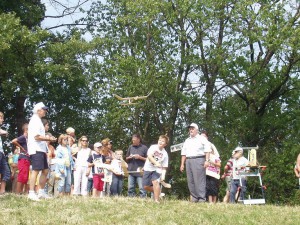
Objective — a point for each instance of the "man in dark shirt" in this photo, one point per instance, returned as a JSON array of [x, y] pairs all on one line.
[[136, 156]]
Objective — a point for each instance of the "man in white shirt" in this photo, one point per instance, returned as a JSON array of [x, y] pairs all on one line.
[[195, 153], [37, 149], [238, 165]]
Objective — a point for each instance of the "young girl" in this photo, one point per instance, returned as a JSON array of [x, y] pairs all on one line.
[[64, 165], [213, 175]]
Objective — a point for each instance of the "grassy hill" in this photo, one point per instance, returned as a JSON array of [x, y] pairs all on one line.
[[79, 210]]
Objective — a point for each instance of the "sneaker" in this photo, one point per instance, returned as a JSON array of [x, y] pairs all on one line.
[[166, 185], [33, 197], [162, 195], [43, 195]]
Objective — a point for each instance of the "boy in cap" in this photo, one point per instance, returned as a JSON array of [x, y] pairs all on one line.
[[239, 164], [96, 161]]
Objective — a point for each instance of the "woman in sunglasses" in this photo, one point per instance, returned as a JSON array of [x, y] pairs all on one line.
[[81, 172]]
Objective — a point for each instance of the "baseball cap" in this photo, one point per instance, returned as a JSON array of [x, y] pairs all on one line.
[[39, 106], [238, 149], [97, 145], [194, 125]]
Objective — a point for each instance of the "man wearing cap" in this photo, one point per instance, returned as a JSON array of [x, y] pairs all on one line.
[[195, 154], [238, 165], [37, 149]]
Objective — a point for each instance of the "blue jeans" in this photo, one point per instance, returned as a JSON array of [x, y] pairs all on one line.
[[235, 184], [132, 180], [116, 185], [64, 184]]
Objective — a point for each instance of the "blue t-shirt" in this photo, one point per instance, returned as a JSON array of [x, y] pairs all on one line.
[[22, 140], [96, 157], [134, 164]]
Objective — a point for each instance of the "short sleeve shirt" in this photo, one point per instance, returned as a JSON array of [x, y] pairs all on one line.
[[134, 164], [23, 142], [239, 166], [97, 159], [35, 128], [160, 156], [196, 146]]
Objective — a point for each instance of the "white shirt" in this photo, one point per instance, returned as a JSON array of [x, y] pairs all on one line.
[[116, 165], [35, 128], [238, 166], [161, 156], [82, 157], [196, 146]]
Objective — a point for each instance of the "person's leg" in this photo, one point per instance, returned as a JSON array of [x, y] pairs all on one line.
[[2, 187], [33, 176], [120, 184], [43, 178], [5, 177], [68, 181], [243, 188], [190, 180], [233, 189], [142, 191], [156, 190], [84, 181], [227, 195], [77, 181], [131, 186], [114, 185], [199, 175], [23, 167]]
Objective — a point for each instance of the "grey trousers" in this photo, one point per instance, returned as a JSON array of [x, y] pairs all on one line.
[[196, 177]]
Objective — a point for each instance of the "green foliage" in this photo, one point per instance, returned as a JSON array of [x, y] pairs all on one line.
[[30, 12], [230, 66]]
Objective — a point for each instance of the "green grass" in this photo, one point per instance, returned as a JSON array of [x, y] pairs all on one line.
[[69, 210]]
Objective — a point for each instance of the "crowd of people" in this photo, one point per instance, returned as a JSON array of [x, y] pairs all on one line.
[[42, 171]]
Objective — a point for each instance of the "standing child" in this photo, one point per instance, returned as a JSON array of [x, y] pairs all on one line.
[[23, 161], [155, 167], [64, 165], [118, 173], [213, 175], [96, 161]]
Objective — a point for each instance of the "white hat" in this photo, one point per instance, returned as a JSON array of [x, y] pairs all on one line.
[[238, 149], [194, 125], [39, 106], [97, 145]]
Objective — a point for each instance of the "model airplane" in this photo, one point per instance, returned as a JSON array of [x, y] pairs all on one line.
[[130, 100]]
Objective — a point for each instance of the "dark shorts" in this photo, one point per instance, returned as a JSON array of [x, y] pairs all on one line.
[[39, 161], [98, 183], [5, 171], [212, 186], [23, 166], [150, 176]]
